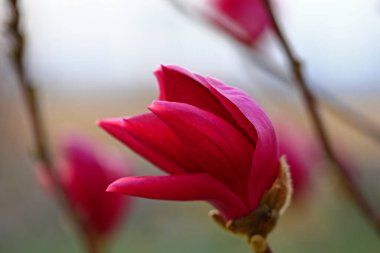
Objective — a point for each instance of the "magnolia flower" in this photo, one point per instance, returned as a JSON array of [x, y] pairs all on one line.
[[85, 173], [214, 142], [245, 20]]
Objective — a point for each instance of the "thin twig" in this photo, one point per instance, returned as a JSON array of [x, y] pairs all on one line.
[[336, 106], [28, 91], [350, 116], [311, 105], [30, 96]]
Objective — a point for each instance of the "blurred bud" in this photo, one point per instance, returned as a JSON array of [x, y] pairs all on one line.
[[244, 20], [85, 171], [302, 153]]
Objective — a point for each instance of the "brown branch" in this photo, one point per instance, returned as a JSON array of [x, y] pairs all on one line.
[[336, 106], [30, 96], [311, 105], [350, 116], [339, 108], [29, 93]]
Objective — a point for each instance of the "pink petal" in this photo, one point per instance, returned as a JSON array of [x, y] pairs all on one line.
[[259, 127], [180, 85], [216, 147], [177, 84], [148, 136], [182, 187]]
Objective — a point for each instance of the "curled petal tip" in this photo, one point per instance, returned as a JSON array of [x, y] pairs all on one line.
[[102, 123], [155, 104], [159, 68], [105, 122], [110, 188], [113, 187], [151, 105], [162, 67], [110, 124]]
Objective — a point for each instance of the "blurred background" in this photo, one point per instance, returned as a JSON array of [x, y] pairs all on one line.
[[93, 59]]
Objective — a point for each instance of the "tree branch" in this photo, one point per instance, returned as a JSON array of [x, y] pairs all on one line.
[[339, 108], [311, 104], [333, 104], [30, 96]]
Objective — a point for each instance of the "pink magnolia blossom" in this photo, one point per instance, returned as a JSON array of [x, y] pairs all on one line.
[[85, 173], [245, 20], [214, 142]]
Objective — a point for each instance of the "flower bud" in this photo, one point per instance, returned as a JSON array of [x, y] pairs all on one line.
[[85, 170]]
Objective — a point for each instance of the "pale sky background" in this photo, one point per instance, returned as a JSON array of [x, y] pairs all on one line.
[[117, 43]]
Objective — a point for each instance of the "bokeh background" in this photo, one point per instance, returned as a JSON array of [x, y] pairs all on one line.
[[93, 59]]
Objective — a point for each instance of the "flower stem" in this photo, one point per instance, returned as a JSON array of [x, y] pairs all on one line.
[[311, 105], [30, 96]]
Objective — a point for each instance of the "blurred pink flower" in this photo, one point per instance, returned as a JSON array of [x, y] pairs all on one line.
[[86, 171], [302, 154], [245, 20], [213, 140]]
